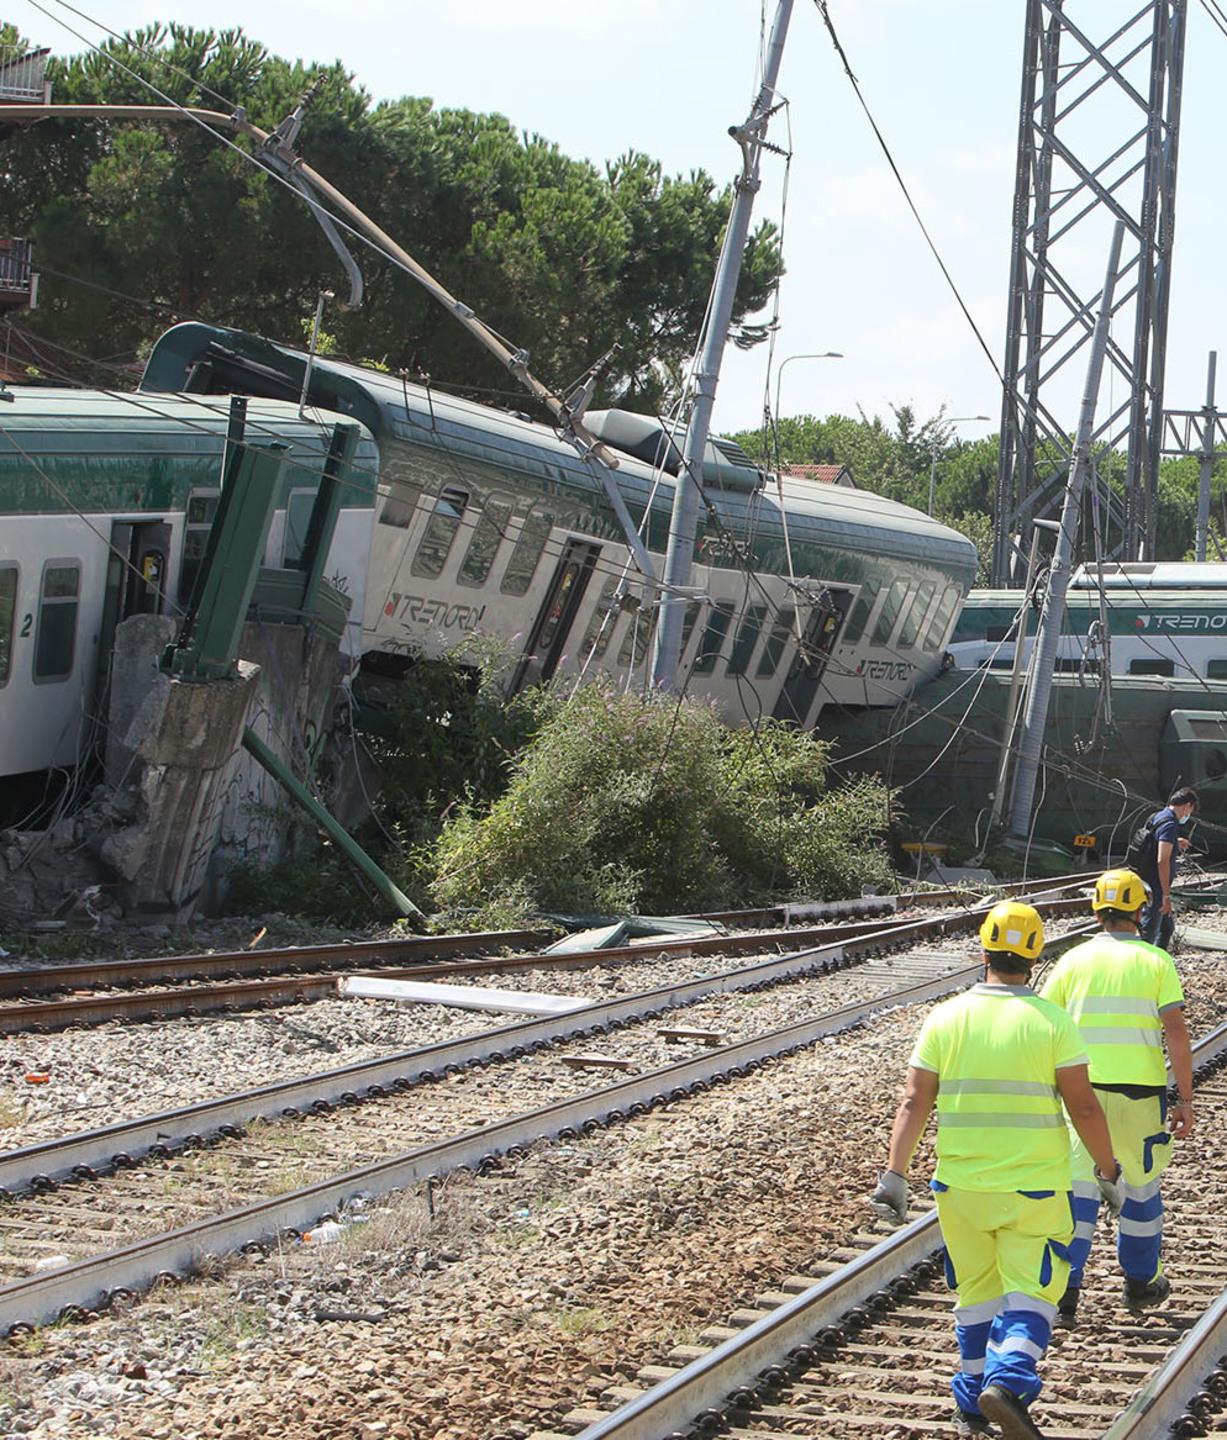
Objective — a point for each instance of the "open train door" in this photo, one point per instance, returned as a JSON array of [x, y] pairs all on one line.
[[828, 611], [135, 583], [548, 638]]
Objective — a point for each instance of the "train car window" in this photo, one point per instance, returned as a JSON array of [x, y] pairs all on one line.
[[916, 615], [1152, 665], [935, 635], [488, 535], [601, 627], [298, 509], [441, 528], [747, 639], [198, 520], [534, 532], [634, 649], [688, 622], [1216, 669], [56, 640], [859, 615], [891, 606], [399, 504], [1075, 665], [8, 619], [777, 641], [712, 643]]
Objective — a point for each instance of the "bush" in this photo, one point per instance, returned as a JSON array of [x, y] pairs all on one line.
[[623, 804]]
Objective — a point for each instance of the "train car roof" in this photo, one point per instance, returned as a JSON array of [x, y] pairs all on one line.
[[193, 354], [47, 421]]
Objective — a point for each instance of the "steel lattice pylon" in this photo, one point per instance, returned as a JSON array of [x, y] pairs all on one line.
[[1098, 138]]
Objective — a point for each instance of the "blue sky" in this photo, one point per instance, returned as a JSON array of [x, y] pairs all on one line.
[[669, 77]]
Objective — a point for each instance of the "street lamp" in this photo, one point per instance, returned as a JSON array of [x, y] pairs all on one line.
[[947, 420], [779, 374]]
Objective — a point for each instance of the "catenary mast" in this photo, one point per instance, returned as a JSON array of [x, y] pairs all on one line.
[[679, 555]]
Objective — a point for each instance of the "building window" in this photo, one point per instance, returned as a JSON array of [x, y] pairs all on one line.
[[747, 638], [488, 535], [441, 531], [777, 641], [1152, 665], [534, 532], [712, 643], [198, 520], [8, 619], [57, 621]]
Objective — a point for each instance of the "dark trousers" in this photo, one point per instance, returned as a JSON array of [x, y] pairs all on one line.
[[1156, 927]]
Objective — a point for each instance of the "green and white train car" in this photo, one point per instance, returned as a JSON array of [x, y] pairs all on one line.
[[489, 524], [107, 502], [1164, 619]]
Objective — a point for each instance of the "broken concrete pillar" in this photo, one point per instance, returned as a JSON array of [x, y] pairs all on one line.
[[183, 739]]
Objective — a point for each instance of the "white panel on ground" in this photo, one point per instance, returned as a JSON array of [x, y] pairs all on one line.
[[464, 997]]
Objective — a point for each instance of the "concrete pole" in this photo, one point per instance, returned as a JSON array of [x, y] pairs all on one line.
[[1206, 468], [679, 555], [1035, 718]]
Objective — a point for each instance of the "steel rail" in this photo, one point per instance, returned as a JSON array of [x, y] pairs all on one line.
[[40, 979], [236, 964], [699, 1390], [150, 1004], [49, 1162], [86, 1284]]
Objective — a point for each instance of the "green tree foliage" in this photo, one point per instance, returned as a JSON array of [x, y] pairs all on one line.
[[627, 804], [563, 258]]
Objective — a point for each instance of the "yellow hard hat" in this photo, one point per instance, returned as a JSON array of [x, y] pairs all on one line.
[[1011, 925], [1122, 890]]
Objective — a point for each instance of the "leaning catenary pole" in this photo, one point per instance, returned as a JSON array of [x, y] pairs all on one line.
[[1048, 636], [679, 556]]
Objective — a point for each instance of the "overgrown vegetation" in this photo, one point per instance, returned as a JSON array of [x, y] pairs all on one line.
[[621, 803]]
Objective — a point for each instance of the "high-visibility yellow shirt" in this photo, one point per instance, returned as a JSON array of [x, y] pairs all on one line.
[[1116, 989], [996, 1050]]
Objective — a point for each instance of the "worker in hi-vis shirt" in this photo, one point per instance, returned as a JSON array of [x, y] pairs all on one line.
[[996, 1062], [1125, 997]]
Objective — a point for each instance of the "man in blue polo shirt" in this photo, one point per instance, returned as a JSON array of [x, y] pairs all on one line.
[[1159, 872]]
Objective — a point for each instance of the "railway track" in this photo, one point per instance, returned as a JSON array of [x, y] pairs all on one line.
[[308, 973], [863, 1344], [167, 1214]]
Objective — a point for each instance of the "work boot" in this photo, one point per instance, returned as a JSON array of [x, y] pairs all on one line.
[[1067, 1308], [1009, 1413], [966, 1424], [1142, 1294]]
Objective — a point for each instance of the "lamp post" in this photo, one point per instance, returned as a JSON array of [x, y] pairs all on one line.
[[779, 375], [947, 420]]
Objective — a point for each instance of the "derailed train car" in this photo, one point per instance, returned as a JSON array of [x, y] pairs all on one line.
[[107, 503], [489, 524]]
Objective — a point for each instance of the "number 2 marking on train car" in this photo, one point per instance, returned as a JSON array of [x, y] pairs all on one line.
[[27, 622]]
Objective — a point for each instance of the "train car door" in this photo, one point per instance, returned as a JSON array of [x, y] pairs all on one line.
[[547, 642], [826, 619], [135, 579]]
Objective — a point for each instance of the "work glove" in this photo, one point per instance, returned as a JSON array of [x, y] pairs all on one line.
[[1112, 1190], [891, 1197]]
